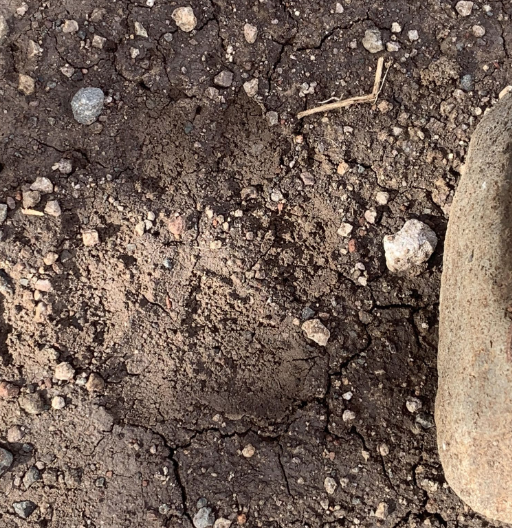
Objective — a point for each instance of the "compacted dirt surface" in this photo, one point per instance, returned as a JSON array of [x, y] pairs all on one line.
[[160, 377]]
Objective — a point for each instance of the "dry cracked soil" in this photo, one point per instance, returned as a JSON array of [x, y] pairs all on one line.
[[188, 382]]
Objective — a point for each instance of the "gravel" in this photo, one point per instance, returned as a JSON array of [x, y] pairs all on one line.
[[248, 451], [43, 185], [330, 485], [32, 403], [224, 79], [64, 371], [316, 331], [58, 402], [411, 246], [185, 18], [52, 208], [467, 83], [31, 199], [251, 87], [250, 33], [372, 41], [464, 8], [204, 518], [87, 105], [24, 509], [4, 28], [31, 476], [6, 460]]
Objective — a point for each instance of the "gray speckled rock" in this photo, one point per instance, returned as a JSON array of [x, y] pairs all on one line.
[[24, 509], [6, 460], [474, 398], [204, 518], [87, 105]]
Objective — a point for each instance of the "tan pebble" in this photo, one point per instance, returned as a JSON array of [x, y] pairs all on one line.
[[50, 258], [185, 18], [90, 237], [8, 390], [248, 451], [64, 371], [95, 383], [53, 208], [26, 84], [250, 33], [70, 26], [43, 285]]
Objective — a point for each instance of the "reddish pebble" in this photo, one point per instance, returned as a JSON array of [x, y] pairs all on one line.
[[8, 390], [352, 245], [241, 518]]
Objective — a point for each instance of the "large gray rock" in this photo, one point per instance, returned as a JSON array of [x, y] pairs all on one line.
[[474, 399]]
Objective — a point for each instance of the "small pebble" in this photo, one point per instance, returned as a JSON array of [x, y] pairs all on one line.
[[204, 518], [330, 485], [43, 285], [411, 246], [70, 26], [382, 511], [90, 237], [464, 8], [64, 371], [250, 33], [185, 18], [95, 383], [26, 84], [8, 390], [52, 208], [98, 42], [31, 476], [478, 31], [413, 405], [248, 451], [31, 199], [50, 258], [32, 403], [382, 198], [64, 166], [372, 41], [140, 30], [384, 450], [58, 402], [370, 216], [224, 79], [272, 118], [348, 416], [345, 229], [4, 28], [392, 47], [347, 396], [316, 331], [3, 213], [396, 27], [43, 185], [221, 522], [24, 509], [413, 35], [87, 105], [14, 434], [6, 460], [467, 83], [339, 8], [425, 420], [251, 87]]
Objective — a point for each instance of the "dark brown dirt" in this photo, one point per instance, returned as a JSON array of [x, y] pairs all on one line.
[[197, 336]]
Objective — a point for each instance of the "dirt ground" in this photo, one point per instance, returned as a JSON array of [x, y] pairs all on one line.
[[205, 391]]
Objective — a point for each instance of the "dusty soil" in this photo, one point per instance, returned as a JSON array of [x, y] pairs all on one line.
[[195, 325]]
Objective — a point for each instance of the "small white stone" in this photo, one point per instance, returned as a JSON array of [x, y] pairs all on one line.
[[272, 118], [348, 416], [345, 229], [43, 185], [316, 331], [251, 87], [22, 9], [370, 216], [134, 53], [64, 166], [58, 402], [464, 8], [90, 237], [70, 26], [185, 18], [372, 41], [413, 35], [478, 31], [221, 522], [330, 485], [382, 511], [411, 246], [30, 199], [98, 42], [248, 451], [224, 79], [384, 450], [64, 372], [413, 405], [250, 33], [339, 8], [150, 3], [140, 30], [43, 285], [392, 47], [396, 27], [347, 396], [67, 70], [33, 49], [382, 198], [52, 208]]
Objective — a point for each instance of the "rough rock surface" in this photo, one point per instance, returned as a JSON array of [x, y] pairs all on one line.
[[87, 105], [474, 399]]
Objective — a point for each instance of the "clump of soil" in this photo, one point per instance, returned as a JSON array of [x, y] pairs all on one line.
[[197, 229]]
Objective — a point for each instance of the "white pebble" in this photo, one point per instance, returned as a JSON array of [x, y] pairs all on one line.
[[464, 8], [411, 246], [372, 41], [185, 18], [413, 405], [345, 229], [330, 485], [348, 416], [250, 33], [382, 198], [396, 27], [478, 31], [251, 87], [316, 331], [58, 402], [413, 35]]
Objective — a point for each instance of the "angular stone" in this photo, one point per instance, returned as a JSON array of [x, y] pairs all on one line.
[[6, 460], [32, 403], [204, 518], [87, 105], [372, 41], [53, 208], [43, 185], [24, 509], [316, 331], [224, 79], [474, 398], [26, 84], [185, 18]]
